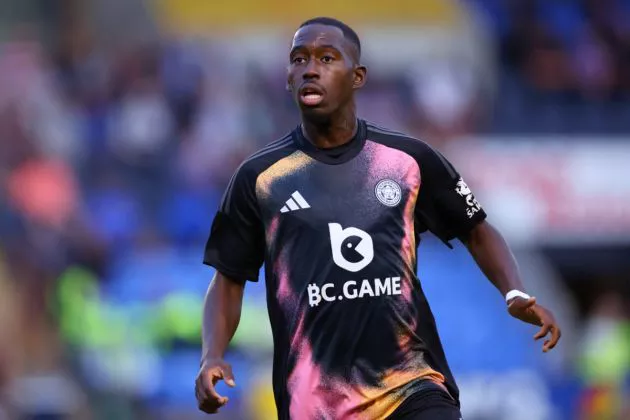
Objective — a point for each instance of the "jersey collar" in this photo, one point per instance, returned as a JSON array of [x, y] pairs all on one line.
[[334, 155]]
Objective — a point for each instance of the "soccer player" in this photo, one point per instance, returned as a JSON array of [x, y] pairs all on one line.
[[335, 210]]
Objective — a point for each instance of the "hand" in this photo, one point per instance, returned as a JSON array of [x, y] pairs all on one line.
[[209, 401], [528, 311]]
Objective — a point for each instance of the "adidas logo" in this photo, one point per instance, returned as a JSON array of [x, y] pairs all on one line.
[[296, 202]]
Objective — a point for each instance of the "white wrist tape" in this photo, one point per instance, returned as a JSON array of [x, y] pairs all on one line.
[[516, 293]]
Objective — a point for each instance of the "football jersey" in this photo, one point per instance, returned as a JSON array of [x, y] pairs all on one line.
[[337, 231]]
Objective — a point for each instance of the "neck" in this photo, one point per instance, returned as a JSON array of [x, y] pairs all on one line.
[[332, 131]]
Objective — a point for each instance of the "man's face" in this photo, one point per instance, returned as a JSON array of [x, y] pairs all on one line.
[[322, 73]]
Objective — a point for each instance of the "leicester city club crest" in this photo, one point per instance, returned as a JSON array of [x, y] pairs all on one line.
[[388, 192]]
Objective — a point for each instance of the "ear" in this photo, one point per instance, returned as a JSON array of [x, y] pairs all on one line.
[[360, 77]]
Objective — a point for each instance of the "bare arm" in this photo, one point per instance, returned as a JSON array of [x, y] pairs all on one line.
[[221, 315], [236, 249], [494, 258]]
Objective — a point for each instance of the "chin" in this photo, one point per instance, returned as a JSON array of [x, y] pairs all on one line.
[[319, 112]]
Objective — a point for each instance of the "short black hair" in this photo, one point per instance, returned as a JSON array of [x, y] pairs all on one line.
[[348, 32]]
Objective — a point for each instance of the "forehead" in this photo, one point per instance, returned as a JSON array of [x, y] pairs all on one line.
[[318, 34]]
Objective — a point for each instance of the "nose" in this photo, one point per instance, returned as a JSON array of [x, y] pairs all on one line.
[[311, 71]]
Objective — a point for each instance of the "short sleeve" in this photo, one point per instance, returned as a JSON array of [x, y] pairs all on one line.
[[236, 244], [446, 205]]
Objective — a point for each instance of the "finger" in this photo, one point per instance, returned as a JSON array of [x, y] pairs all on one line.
[[228, 376], [208, 395], [208, 410], [207, 386], [200, 391], [540, 316], [214, 404], [214, 396], [210, 404], [210, 407], [555, 337], [202, 401], [216, 375], [542, 332]]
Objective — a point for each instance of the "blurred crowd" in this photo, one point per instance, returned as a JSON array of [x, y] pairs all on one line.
[[113, 162], [573, 58], [580, 48]]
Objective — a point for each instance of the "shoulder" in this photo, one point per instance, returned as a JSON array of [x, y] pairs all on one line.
[[266, 156], [242, 184], [398, 140], [427, 157]]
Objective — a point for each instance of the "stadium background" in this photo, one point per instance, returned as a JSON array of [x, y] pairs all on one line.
[[121, 120]]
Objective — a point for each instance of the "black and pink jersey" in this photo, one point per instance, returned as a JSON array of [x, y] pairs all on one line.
[[338, 231]]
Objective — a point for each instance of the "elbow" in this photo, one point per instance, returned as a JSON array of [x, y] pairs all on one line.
[[477, 236]]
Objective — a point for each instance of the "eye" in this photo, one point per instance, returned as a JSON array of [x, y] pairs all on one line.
[[327, 59], [298, 60]]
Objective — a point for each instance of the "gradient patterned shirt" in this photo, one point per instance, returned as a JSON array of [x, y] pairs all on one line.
[[338, 230]]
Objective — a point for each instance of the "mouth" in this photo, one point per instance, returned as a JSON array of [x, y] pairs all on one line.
[[311, 95]]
